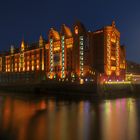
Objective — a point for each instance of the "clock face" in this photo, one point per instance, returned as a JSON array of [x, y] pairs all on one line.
[[113, 38], [76, 29]]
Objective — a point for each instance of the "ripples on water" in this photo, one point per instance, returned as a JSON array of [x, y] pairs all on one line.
[[56, 119]]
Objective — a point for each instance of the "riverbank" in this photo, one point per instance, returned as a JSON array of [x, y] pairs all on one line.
[[51, 87], [74, 89]]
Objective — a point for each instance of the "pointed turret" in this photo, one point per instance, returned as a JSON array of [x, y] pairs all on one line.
[[22, 45], [41, 41], [12, 49], [113, 24]]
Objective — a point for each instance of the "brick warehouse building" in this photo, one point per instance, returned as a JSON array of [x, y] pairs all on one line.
[[75, 54]]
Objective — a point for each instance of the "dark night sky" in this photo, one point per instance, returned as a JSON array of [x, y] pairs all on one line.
[[30, 18]]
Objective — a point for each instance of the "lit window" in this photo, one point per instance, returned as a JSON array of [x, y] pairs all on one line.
[[37, 67], [51, 40], [32, 62], [81, 37], [81, 43], [81, 52], [81, 57], [32, 67], [28, 68], [37, 61], [76, 30]]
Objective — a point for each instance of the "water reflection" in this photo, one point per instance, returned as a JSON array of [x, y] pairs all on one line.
[[51, 119], [121, 120]]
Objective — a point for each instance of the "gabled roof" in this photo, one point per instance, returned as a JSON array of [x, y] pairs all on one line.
[[66, 31], [54, 35]]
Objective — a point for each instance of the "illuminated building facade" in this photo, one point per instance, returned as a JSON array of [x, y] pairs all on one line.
[[59, 50], [68, 55], [108, 57], [26, 58], [23, 63]]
